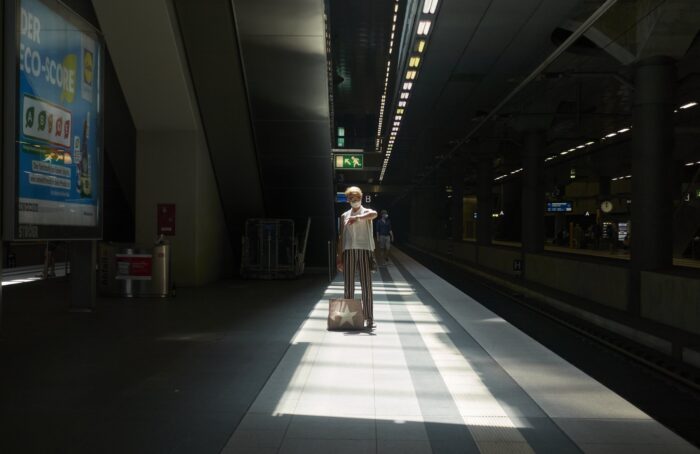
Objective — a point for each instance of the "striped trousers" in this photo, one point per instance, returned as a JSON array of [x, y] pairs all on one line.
[[359, 259]]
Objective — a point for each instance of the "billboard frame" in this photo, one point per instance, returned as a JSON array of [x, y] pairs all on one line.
[[10, 162]]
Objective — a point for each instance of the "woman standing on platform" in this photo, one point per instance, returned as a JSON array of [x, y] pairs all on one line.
[[355, 249]]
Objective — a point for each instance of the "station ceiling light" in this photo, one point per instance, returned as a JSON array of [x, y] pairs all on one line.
[[414, 61], [430, 6], [423, 27]]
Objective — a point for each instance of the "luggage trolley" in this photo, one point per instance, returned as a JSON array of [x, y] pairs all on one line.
[[271, 250]]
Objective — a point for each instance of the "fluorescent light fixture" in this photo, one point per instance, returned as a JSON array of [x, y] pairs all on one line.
[[588, 144], [414, 62], [396, 8], [393, 28], [580, 146], [623, 130], [612, 134], [410, 75], [689, 105], [421, 46], [402, 103], [394, 17], [430, 6], [407, 85], [423, 27], [628, 176], [564, 153], [404, 95], [400, 111], [689, 164], [398, 117]]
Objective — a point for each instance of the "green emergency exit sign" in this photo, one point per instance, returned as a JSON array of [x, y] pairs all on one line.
[[348, 161]]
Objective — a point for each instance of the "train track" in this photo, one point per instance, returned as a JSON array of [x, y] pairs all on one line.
[[682, 377]]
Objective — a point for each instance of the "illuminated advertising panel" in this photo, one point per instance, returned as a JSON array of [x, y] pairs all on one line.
[[54, 89]]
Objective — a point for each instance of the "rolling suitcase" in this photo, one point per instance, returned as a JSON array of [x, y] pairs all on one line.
[[345, 314]]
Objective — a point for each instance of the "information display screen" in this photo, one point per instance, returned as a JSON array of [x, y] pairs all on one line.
[[559, 207], [57, 107]]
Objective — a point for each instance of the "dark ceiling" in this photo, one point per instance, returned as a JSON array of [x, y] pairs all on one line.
[[360, 32], [478, 52]]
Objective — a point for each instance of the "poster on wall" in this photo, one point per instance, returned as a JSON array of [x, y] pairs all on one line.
[[55, 93]]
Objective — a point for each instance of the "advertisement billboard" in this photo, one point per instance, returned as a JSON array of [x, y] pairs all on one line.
[[53, 101]]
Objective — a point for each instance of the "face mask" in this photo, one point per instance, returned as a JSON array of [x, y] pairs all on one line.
[[355, 204]]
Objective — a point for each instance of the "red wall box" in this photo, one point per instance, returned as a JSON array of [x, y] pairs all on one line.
[[166, 219]]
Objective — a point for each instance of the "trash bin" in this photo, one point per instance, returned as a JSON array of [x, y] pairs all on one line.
[[134, 271]]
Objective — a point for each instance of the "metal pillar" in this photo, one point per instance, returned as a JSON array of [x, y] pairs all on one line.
[[457, 209], [82, 292], [533, 193], [484, 200], [2, 264], [604, 183], [652, 215]]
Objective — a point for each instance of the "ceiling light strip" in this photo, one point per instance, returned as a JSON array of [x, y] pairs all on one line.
[[414, 62], [380, 124]]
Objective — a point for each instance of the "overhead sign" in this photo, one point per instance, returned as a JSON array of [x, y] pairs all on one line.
[[349, 161], [559, 207], [56, 167]]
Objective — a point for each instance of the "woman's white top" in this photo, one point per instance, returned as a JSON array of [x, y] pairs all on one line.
[[359, 234]]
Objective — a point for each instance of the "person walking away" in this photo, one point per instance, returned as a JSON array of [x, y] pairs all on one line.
[[385, 236], [354, 251]]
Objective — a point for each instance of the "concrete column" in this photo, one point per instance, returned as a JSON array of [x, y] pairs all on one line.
[[652, 216], [82, 292], [484, 200], [533, 193]]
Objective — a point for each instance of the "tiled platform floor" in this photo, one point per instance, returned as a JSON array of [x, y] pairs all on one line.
[[439, 374]]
